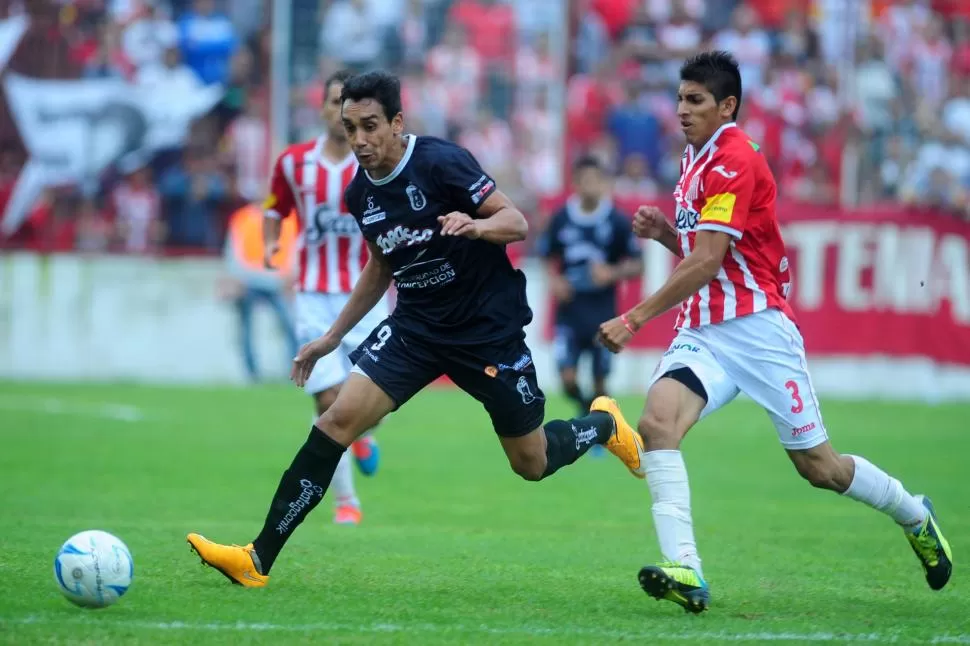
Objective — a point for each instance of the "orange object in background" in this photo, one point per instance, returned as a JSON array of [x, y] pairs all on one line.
[[246, 234]]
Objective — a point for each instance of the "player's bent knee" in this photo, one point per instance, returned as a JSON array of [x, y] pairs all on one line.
[[339, 424], [529, 467], [658, 430]]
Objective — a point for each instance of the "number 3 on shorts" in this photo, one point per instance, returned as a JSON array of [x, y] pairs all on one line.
[[383, 335], [793, 387]]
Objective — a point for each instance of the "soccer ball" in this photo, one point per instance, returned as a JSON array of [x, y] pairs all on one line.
[[93, 569]]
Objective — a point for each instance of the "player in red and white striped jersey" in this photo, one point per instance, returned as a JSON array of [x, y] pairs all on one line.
[[754, 275], [308, 183], [736, 333]]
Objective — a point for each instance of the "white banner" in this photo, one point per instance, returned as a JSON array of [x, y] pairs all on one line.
[[80, 318], [75, 130]]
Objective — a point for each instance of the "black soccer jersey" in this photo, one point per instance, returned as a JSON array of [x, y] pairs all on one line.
[[451, 290], [578, 240]]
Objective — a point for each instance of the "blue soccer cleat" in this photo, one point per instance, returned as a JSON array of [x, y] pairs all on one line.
[[366, 455]]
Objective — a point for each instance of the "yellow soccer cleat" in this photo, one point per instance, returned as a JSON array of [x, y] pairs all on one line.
[[932, 548], [235, 562], [625, 443]]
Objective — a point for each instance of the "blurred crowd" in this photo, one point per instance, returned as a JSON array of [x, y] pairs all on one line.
[[853, 101], [181, 197]]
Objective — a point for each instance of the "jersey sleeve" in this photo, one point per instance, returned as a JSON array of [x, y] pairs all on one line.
[[280, 203], [728, 189], [548, 245], [462, 179]]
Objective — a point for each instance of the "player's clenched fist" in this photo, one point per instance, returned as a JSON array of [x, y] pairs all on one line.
[[615, 333], [459, 224], [649, 223], [308, 355]]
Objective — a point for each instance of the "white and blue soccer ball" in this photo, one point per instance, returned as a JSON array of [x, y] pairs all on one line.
[[93, 569]]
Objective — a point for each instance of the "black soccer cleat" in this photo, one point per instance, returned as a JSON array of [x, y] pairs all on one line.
[[678, 583]]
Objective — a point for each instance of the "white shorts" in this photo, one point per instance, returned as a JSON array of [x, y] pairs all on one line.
[[315, 314], [761, 355]]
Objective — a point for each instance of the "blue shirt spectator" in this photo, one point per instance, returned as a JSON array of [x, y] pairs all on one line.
[[208, 41]]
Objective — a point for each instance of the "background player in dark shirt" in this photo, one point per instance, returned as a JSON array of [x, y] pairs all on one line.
[[437, 225], [589, 247]]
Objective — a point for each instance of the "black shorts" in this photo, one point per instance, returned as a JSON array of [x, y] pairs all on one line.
[[500, 375], [574, 339]]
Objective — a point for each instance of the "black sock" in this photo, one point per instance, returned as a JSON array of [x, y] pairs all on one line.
[[567, 441], [300, 490]]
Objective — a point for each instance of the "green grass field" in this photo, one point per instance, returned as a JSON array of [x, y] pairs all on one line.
[[454, 548]]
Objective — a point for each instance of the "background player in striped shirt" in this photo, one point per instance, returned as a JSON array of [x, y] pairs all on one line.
[[308, 181], [736, 333]]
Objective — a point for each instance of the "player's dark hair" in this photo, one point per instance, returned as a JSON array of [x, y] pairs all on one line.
[[378, 85], [588, 162], [717, 71], [340, 76]]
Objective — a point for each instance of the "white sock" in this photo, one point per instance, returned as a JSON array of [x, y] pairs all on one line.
[[876, 488], [667, 479], [343, 482]]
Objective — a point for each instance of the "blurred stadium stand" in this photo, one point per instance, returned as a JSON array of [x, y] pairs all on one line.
[[854, 102], [138, 127]]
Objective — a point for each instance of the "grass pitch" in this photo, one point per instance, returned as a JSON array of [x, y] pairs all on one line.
[[454, 548]]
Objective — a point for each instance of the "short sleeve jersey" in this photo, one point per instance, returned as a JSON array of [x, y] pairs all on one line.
[[451, 289]]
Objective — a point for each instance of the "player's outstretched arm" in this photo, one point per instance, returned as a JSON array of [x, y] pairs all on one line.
[[374, 280], [697, 270]]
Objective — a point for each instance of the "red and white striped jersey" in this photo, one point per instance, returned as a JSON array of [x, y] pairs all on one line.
[[331, 251], [727, 186]]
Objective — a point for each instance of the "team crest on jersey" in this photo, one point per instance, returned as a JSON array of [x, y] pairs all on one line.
[[416, 197]]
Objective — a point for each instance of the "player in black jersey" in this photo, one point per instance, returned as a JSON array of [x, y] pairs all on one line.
[[589, 248], [437, 225]]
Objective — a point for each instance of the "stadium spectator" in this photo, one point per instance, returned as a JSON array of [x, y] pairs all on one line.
[[208, 40], [148, 37], [836, 89], [193, 192]]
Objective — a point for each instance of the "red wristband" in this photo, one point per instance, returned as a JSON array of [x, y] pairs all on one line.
[[626, 324]]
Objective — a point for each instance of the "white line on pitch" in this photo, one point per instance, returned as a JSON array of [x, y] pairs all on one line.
[[53, 406], [532, 631]]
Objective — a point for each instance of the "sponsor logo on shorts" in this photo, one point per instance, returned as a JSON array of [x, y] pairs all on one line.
[[520, 364], [491, 371], [524, 391], [686, 347], [803, 429]]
